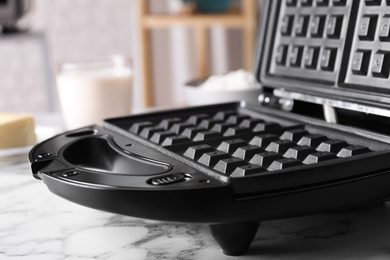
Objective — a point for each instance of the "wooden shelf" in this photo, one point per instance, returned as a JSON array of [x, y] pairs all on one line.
[[245, 19], [160, 21]]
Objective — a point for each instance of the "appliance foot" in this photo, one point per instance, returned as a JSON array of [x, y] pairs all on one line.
[[234, 238]]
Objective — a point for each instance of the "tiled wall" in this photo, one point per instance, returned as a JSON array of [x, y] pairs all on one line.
[[23, 85]]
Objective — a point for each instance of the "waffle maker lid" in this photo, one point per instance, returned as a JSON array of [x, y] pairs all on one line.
[[329, 52]]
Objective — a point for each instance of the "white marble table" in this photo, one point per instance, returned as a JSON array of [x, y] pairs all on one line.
[[35, 224]]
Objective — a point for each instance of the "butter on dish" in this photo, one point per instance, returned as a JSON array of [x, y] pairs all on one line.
[[16, 130]]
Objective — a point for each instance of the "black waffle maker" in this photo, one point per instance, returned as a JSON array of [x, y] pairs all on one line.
[[319, 139]]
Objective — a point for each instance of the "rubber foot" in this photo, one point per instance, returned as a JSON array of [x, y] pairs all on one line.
[[235, 238]]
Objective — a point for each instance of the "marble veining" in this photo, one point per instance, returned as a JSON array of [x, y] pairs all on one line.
[[36, 224]]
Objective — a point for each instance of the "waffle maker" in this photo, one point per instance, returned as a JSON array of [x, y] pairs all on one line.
[[317, 141]]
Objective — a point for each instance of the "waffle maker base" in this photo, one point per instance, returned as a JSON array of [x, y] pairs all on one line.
[[111, 169]]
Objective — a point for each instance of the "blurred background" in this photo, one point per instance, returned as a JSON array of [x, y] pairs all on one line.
[[164, 51]]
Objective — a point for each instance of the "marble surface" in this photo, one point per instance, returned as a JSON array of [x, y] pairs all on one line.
[[35, 224]]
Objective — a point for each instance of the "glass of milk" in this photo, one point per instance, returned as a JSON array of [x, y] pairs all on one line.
[[92, 91]]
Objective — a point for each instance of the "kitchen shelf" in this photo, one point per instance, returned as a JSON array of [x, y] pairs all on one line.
[[244, 19]]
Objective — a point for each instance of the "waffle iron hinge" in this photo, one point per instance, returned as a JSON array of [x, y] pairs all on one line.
[[286, 100]]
